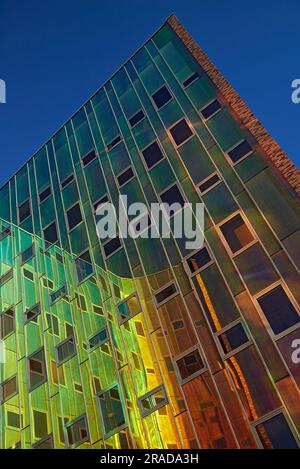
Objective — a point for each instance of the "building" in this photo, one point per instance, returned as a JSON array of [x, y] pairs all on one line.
[[140, 343]]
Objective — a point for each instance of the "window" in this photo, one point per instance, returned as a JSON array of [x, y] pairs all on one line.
[[275, 433], [7, 323], [152, 154], [65, 350], [113, 143], [165, 294], [98, 339], [83, 265], [74, 216], [152, 401], [198, 260], [233, 338], [6, 277], [40, 424], [13, 419], [45, 194], [125, 176], [60, 293], [278, 309], [190, 365], [91, 156], [44, 443], [190, 80], [236, 233], [239, 151], [161, 97], [7, 389], [211, 109], [50, 233], [111, 410], [5, 232], [77, 431], [100, 202], [28, 274], [32, 313], [27, 254], [36, 369], [24, 211], [111, 246], [67, 181], [129, 307], [181, 132], [136, 118], [172, 196], [208, 183]]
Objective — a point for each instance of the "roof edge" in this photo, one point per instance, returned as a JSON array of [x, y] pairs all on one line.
[[283, 165]]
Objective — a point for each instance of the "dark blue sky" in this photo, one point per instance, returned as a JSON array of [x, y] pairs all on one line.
[[55, 54]]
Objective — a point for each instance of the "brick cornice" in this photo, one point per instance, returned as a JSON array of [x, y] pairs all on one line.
[[270, 148]]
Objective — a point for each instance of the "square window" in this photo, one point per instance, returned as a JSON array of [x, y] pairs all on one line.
[[124, 177], [129, 308], [165, 294], [181, 132], [8, 389], [24, 211], [111, 410], [275, 433], [172, 196], [91, 156], [60, 293], [153, 401], [83, 266], [77, 432], [152, 154], [74, 216], [190, 80], [65, 350], [190, 364], [13, 419], [36, 369], [198, 260], [111, 246], [208, 183], [100, 203], [50, 233], [233, 338], [45, 194], [136, 118], [211, 109], [278, 309], [238, 152], [40, 424], [236, 233], [161, 97], [7, 323]]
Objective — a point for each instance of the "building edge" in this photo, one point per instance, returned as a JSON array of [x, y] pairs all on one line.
[[283, 165]]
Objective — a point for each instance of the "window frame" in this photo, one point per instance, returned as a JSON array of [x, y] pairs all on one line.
[[291, 298], [47, 197], [85, 155], [42, 440], [158, 162], [128, 180], [185, 87], [238, 349], [145, 413], [70, 423], [236, 145], [177, 292], [114, 144], [67, 218], [12, 307], [63, 184], [269, 416], [74, 263], [27, 249], [164, 85], [203, 181], [3, 383], [184, 354], [58, 362], [103, 244], [188, 123], [36, 314], [133, 115], [186, 258], [107, 435], [45, 379], [47, 243], [206, 119], [223, 239], [91, 349], [167, 217], [30, 210], [120, 321]]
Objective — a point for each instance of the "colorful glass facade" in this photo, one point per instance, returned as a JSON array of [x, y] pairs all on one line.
[[140, 343]]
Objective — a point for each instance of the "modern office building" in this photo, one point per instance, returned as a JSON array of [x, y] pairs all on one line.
[[142, 343]]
